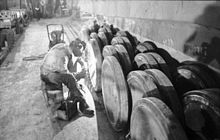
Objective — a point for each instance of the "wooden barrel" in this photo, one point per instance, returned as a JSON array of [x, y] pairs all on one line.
[[85, 34], [167, 92], [145, 61], [94, 64], [151, 119], [115, 93], [141, 85], [202, 112], [146, 46]]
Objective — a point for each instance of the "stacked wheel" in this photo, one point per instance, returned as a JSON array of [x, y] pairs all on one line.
[[103, 38], [106, 35], [154, 83], [98, 39], [141, 85], [132, 39], [94, 28], [94, 64], [147, 46], [151, 60], [121, 54], [202, 113], [115, 93], [152, 119], [126, 43], [206, 73], [85, 34], [193, 77], [145, 89]]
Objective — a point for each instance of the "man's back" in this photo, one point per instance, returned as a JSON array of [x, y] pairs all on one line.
[[57, 58]]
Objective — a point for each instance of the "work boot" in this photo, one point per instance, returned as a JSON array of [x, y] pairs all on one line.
[[88, 112], [85, 110], [59, 114]]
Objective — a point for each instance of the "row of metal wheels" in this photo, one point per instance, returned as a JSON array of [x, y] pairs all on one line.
[[149, 94]]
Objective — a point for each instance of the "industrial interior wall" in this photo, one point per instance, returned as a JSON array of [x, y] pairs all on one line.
[[192, 27], [13, 3], [3, 4]]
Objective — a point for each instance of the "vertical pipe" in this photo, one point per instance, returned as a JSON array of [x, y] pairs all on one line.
[[6, 5], [71, 5], [20, 4]]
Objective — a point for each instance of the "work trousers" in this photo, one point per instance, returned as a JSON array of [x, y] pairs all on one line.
[[54, 81]]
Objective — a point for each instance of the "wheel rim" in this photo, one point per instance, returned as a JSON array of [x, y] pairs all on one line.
[[111, 109], [151, 119], [115, 93], [92, 62], [147, 122]]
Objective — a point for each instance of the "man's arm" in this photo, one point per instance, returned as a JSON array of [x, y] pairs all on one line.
[[72, 69]]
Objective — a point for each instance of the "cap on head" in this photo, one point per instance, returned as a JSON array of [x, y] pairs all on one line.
[[77, 46], [77, 43]]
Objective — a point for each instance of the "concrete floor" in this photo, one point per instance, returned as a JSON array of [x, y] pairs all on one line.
[[23, 113]]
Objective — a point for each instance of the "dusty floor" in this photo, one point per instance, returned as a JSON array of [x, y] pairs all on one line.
[[23, 113]]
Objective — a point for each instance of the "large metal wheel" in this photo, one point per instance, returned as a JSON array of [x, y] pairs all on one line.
[[94, 63], [115, 93], [146, 46], [121, 54], [202, 112], [167, 92], [145, 61], [141, 85], [126, 43], [151, 119]]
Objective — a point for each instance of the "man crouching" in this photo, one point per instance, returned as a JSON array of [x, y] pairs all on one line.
[[58, 69]]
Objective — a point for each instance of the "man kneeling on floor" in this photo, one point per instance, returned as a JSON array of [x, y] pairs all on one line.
[[58, 69]]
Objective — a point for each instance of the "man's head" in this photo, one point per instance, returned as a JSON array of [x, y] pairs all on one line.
[[77, 46]]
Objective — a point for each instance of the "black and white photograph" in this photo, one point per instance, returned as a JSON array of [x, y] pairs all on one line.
[[109, 70]]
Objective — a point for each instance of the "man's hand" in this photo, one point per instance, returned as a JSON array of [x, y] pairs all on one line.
[[81, 62], [81, 74]]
